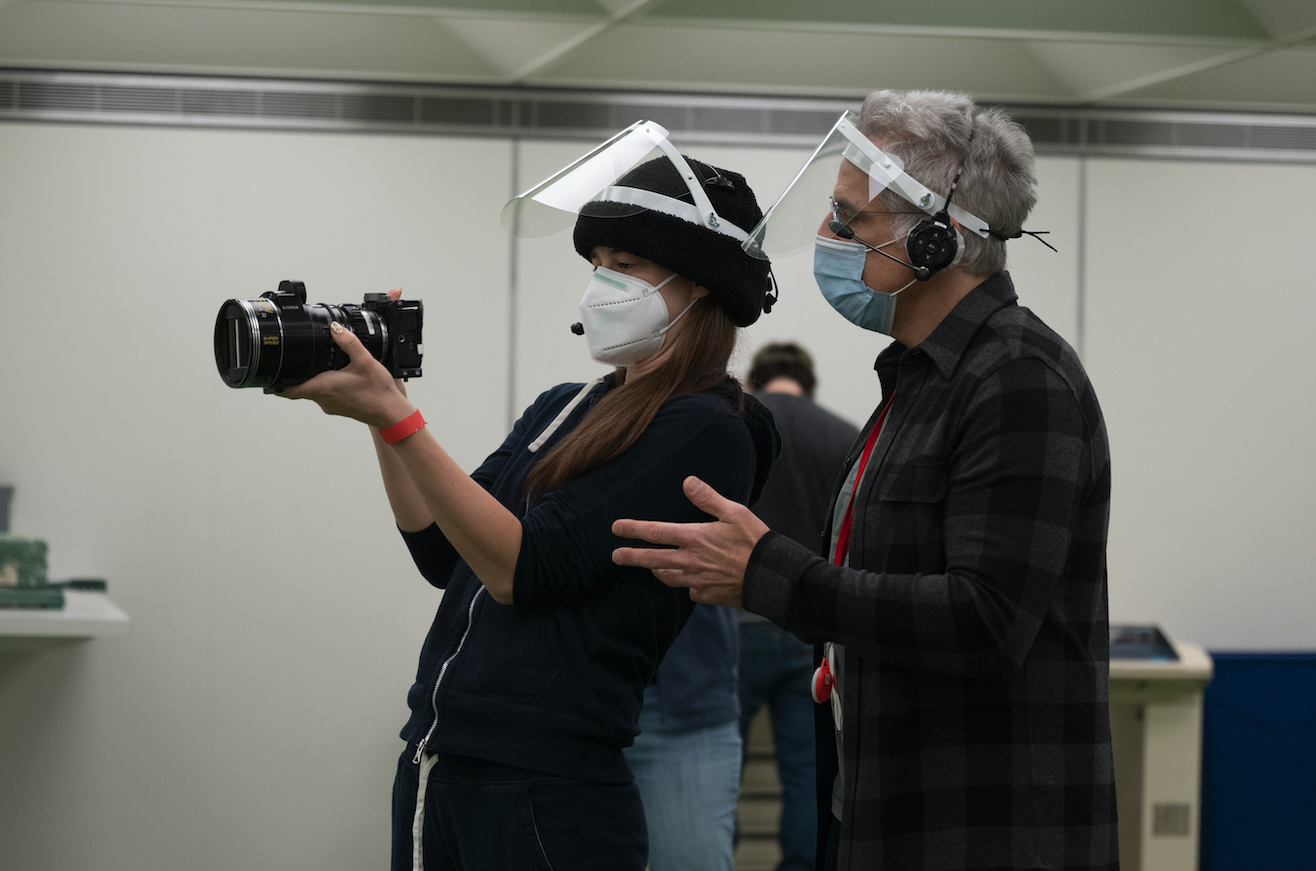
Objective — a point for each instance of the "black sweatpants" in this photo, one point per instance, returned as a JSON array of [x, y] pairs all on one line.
[[482, 816]]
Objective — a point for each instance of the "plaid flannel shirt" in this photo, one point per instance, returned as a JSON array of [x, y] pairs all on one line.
[[976, 719]]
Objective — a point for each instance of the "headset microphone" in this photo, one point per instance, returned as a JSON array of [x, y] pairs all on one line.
[[578, 328], [922, 273], [839, 229]]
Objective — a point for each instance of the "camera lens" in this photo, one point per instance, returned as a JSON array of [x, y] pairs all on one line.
[[278, 340], [261, 344], [249, 342]]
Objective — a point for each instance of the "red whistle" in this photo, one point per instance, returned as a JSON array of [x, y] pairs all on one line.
[[823, 681]]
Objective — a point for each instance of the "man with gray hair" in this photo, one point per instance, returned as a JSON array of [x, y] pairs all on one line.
[[961, 596]]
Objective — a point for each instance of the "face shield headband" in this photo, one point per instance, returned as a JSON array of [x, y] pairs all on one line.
[[880, 167], [792, 222], [553, 204]]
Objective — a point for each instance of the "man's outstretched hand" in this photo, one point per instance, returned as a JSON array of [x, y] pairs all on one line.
[[709, 558]]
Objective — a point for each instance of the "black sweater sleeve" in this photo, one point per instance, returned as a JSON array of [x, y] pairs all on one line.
[[431, 551], [433, 554], [567, 540]]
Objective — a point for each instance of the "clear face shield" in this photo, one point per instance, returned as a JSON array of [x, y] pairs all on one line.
[[839, 183], [591, 186]]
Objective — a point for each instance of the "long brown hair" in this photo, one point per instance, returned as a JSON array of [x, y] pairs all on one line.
[[698, 363]]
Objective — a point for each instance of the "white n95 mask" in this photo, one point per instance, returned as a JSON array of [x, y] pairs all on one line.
[[625, 317]]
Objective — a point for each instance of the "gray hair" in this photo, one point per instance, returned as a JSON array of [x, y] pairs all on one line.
[[929, 130]]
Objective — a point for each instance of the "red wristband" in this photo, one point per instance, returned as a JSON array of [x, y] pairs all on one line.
[[409, 425]]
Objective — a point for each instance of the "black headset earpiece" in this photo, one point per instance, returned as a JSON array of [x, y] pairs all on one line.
[[935, 243]]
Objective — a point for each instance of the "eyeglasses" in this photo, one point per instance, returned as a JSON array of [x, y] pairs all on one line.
[[844, 214]]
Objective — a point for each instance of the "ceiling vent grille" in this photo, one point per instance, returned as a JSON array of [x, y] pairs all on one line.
[[297, 106], [104, 98], [146, 101], [799, 122], [378, 108], [1284, 138], [460, 111], [54, 97], [238, 104], [567, 116], [729, 118], [674, 117]]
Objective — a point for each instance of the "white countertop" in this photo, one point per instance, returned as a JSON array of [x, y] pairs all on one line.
[[1194, 663], [85, 614]]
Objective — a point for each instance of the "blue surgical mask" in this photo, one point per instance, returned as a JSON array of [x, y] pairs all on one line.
[[838, 267]]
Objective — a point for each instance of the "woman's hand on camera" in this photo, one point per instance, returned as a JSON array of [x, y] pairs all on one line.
[[363, 390]]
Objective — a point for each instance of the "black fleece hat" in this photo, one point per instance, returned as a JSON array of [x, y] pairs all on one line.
[[735, 279]]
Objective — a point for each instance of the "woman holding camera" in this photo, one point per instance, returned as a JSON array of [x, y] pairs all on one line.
[[531, 679]]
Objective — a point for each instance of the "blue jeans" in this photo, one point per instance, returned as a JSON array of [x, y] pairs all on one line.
[[689, 780], [775, 669]]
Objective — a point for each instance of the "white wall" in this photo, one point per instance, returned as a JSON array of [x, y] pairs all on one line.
[[1201, 312], [249, 720]]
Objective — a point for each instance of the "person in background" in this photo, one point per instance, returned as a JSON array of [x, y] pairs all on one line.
[[775, 666], [963, 592], [688, 754]]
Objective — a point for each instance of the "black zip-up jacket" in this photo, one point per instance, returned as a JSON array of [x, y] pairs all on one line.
[[555, 681]]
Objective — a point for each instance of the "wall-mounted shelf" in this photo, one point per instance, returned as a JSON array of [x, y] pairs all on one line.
[[85, 615]]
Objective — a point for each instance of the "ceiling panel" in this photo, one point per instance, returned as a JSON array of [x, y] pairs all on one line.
[[782, 62], [1242, 55], [1085, 68], [117, 36], [1283, 17], [1228, 19], [493, 8], [511, 46], [1282, 81]]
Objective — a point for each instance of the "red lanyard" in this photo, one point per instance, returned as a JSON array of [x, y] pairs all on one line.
[[843, 538]]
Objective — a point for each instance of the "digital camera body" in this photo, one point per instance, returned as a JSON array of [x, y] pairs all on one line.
[[278, 340]]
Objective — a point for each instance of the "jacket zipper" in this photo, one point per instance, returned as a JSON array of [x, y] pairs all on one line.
[[443, 669]]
